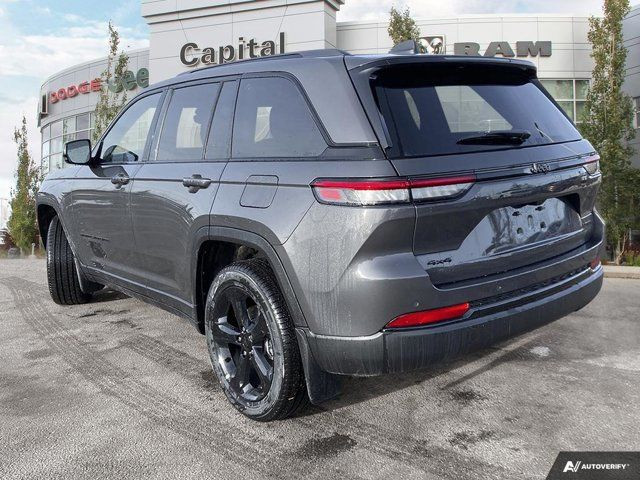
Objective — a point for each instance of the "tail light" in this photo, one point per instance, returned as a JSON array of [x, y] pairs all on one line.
[[367, 192], [592, 164], [427, 317], [595, 263], [361, 192], [440, 188]]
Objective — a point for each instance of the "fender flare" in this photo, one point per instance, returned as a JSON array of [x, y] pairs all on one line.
[[235, 235], [87, 286], [321, 386]]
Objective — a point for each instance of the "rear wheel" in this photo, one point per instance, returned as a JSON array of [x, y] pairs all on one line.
[[252, 342], [62, 275]]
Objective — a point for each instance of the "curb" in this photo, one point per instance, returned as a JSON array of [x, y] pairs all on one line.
[[631, 273]]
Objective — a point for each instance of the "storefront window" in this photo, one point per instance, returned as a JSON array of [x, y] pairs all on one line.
[[56, 129], [559, 89], [56, 145], [68, 129], [83, 122], [570, 94], [54, 137]]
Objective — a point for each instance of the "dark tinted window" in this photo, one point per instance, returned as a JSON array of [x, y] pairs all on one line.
[[430, 110], [125, 142], [220, 131], [184, 131], [273, 120]]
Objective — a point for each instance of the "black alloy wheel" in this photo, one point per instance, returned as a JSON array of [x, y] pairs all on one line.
[[252, 342], [243, 341]]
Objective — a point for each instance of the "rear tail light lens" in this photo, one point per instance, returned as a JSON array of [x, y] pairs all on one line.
[[361, 192], [440, 188], [594, 263], [366, 192], [427, 317], [592, 165]]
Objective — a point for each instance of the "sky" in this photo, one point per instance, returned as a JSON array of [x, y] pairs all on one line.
[[41, 37]]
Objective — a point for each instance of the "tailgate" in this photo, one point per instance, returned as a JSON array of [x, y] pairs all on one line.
[[531, 197]]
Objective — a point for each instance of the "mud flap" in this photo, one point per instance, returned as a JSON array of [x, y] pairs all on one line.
[[321, 386], [86, 286]]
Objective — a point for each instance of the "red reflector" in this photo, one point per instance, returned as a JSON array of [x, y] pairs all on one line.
[[594, 263], [426, 317]]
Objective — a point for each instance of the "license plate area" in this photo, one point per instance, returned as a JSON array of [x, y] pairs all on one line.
[[512, 227], [509, 238]]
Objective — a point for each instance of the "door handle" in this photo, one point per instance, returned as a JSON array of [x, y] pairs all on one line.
[[120, 180], [196, 182]]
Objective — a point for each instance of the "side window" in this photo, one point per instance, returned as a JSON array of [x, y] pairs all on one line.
[[184, 130], [220, 132], [125, 142], [273, 120]]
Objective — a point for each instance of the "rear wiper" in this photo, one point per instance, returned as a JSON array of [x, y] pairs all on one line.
[[511, 137]]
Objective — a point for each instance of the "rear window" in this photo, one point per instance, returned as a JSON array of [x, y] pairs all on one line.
[[439, 110], [273, 120]]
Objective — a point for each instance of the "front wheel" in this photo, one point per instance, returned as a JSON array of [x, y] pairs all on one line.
[[252, 342], [62, 275]]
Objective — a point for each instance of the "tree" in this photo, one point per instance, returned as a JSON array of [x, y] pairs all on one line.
[[607, 124], [22, 224], [112, 95], [402, 27]]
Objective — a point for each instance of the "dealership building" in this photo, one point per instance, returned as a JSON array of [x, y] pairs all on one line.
[[188, 34]]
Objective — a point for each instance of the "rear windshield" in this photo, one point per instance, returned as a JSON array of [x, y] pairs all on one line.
[[439, 110]]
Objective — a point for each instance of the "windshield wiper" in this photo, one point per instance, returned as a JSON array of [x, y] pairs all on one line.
[[511, 137]]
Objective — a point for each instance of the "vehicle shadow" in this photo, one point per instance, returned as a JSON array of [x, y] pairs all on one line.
[[356, 390], [107, 295]]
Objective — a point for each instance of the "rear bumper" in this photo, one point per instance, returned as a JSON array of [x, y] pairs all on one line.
[[488, 322]]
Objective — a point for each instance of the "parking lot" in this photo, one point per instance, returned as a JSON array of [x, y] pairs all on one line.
[[117, 388]]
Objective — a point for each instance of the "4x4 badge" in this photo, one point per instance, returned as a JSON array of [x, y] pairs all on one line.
[[540, 168]]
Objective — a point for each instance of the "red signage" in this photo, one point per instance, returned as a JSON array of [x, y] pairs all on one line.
[[74, 90]]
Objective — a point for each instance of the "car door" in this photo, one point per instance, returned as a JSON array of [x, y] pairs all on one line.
[[100, 210], [173, 192]]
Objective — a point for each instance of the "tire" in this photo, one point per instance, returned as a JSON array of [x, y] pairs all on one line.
[[238, 356], [62, 275]]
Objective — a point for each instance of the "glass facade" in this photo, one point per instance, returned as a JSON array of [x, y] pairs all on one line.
[[571, 95], [57, 133]]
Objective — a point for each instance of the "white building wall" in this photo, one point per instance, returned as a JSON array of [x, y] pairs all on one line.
[[307, 25], [571, 48], [80, 73]]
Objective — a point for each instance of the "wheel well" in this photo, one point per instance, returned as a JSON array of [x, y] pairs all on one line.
[[213, 256], [45, 215]]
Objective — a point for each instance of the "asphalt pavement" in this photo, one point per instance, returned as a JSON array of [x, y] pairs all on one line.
[[120, 389]]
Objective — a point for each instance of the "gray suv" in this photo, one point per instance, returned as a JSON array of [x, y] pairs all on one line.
[[321, 214]]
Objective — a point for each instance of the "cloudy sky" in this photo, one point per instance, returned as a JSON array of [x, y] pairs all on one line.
[[41, 37]]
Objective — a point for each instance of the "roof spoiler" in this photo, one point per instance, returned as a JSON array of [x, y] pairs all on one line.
[[409, 47]]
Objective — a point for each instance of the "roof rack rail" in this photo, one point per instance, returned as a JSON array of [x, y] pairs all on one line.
[[280, 56], [327, 52]]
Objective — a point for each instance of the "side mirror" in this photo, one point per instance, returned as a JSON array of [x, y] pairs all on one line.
[[77, 152]]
